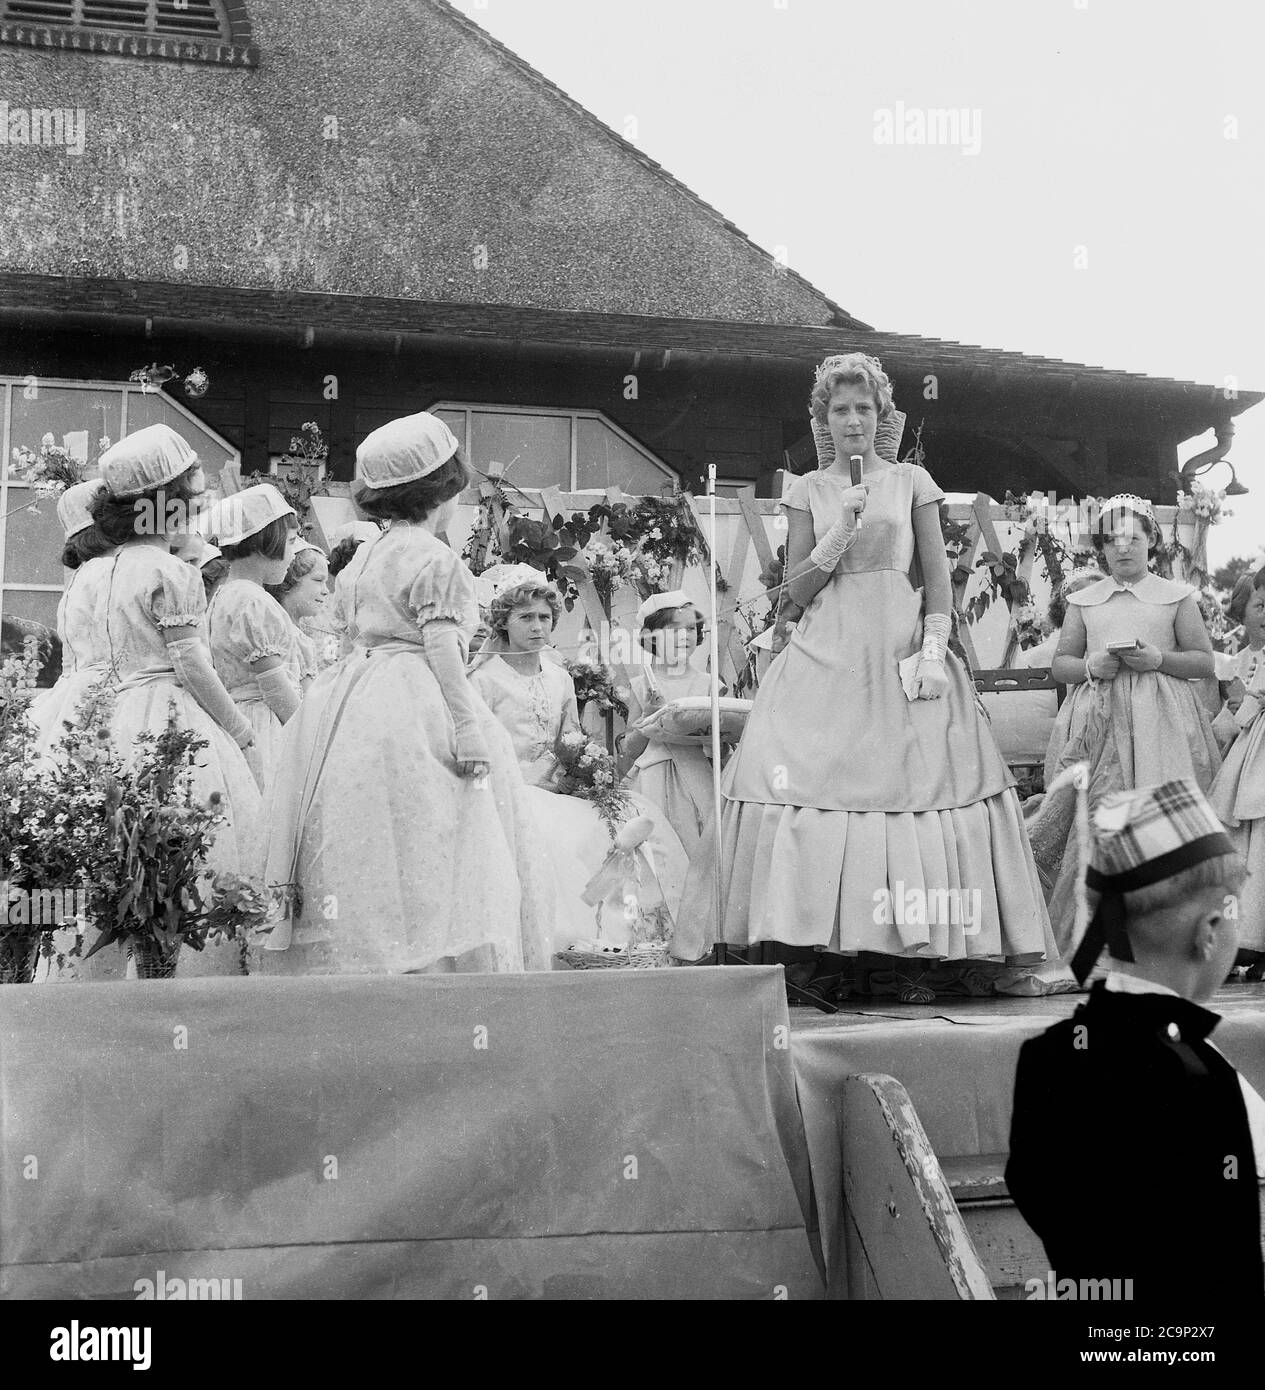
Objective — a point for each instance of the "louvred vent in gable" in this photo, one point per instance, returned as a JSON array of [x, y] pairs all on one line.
[[190, 19]]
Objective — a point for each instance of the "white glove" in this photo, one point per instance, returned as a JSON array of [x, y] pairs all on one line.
[[192, 662], [932, 681], [439, 639], [828, 551], [280, 693]]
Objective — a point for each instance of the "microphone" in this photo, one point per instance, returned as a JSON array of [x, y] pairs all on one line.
[[856, 462]]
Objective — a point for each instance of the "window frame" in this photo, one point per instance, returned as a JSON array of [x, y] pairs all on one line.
[[8, 483], [573, 414]]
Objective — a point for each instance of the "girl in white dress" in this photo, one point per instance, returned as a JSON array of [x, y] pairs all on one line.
[[85, 661], [533, 696], [84, 658], [675, 778], [304, 594], [399, 813], [152, 613], [252, 639]]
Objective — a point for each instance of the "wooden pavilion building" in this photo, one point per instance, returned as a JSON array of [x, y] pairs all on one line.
[[346, 213]]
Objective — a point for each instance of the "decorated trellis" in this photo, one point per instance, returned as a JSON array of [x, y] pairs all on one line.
[[1005, 557]]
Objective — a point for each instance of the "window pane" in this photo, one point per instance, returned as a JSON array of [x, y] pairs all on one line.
[[155, 409], [22, 612], [456, 422], [32, 539], [605, 460], [530, 450], [77, 418]]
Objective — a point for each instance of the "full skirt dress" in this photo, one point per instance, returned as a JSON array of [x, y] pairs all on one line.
[[844, 795]]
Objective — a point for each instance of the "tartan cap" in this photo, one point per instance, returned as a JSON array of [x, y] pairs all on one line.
[[1142, 837]]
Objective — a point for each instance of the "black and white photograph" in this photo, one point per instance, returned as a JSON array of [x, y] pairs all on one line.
[[633, 664]]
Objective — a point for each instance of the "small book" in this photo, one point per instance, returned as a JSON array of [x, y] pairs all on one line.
[[908, 674]]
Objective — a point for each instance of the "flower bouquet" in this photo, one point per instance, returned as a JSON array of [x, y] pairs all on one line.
[[36, 826], [300, 474], [153, 893], [596, 684], [587, 770]]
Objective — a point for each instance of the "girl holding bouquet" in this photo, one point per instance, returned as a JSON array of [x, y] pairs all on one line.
[[532, 694], [399, 817]]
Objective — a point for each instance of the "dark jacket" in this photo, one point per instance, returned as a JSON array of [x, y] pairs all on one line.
[[1130, 1152]]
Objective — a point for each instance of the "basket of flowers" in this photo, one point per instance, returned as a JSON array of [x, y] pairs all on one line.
[[631, 918]]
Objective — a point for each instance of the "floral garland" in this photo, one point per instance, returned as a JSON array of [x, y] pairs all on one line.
[[596, 683], [625, 544], [299, 475], [587, 770]]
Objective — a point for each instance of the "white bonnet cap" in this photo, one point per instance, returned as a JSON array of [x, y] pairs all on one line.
[[244, 513], [497, 578], [145, 460], [656, 603], [404, 450], [74, 506]]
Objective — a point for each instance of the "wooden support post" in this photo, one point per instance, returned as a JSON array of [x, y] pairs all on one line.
[[903, 1235]]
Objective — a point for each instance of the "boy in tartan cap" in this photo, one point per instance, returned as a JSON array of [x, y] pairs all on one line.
[[1131, 1144]]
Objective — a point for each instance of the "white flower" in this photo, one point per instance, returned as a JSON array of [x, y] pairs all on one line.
[[575, 739], [48, 442]]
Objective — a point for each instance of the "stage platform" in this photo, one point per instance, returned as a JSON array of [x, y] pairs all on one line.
[[669, 1134]]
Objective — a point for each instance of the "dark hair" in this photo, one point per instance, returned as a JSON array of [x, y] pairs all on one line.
[[122, 519], [303, 564], [1245, 586], [1152, 531], [86, 544], [416, 500], [270, 542], [1258, 579], [340, 556], [213, 573], [659, 620]]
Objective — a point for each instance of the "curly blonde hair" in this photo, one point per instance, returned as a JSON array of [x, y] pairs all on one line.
[[851, 369], [503, 605]]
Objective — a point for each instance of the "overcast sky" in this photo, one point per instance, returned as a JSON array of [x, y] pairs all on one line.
[[1133, 130]]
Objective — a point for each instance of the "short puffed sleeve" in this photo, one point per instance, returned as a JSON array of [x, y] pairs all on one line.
[[177, 598], [925, 489], [797, 495], [262, 628], [443, 589]]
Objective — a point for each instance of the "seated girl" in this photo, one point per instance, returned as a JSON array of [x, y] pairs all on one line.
[[532, 695]]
